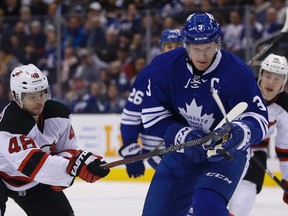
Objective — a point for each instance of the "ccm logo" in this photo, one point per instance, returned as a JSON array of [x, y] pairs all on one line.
[[217, 175]]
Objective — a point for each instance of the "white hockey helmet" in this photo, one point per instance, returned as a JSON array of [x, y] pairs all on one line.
[[275, 64], [27, 79]]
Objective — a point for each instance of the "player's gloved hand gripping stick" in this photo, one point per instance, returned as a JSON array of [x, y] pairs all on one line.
[[215, 136], [87, 166], [218, 148]]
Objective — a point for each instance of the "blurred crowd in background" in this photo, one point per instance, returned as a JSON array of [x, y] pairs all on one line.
[[91, 51]]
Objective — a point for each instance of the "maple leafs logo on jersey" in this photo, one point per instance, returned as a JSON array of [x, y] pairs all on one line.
[[192, 114]]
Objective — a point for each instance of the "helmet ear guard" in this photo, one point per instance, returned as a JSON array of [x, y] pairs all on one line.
[[275, 64], [27, 79]]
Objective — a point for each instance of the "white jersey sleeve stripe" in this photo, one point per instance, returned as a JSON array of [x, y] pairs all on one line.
[[157, 119], [153, 109], [131, 118], [149, 114], [131, 113], [130, 122]]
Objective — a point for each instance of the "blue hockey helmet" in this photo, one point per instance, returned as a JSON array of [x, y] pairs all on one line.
[[171, 35], [201, 28]]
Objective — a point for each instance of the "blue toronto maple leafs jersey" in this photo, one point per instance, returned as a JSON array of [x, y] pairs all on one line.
[[176, 93], [131, 122]]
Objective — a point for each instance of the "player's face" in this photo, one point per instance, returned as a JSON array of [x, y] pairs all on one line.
[[271, 84], [34, 102], [202, 54], [170, 46]]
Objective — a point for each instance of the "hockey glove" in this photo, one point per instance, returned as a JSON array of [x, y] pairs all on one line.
[[87, 166], [285, 195], [134, 169], [238, 138], [179, 133]]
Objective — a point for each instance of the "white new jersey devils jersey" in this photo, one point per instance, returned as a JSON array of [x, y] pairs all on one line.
[[278, 120], [33, 153]]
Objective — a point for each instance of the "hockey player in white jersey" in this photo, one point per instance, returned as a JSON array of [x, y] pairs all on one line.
[[39, 154], [272, 79], [178, 106], [131, 123]]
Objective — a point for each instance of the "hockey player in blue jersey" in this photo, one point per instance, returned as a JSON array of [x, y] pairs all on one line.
[[131, 123], [178, 106]]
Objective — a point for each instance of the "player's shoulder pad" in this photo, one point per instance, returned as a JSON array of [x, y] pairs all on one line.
[[55, 109], [282, 100], [16, 121]]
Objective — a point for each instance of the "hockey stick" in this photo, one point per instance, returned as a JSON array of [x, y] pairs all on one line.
[[215, 136], [217, 99], [237, 110], [277, 180], [267, 47], [223, 152]]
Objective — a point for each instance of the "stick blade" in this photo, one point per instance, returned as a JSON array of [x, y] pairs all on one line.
[[285, 27], [234, 112]]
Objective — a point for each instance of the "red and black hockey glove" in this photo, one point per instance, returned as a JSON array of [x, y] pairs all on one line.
[[87, 166]]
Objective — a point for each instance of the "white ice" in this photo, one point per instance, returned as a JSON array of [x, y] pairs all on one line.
[[109, 198]]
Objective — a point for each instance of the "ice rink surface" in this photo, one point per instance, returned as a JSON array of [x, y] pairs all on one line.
[[109, 198]]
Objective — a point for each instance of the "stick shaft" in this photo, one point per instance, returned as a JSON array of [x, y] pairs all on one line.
[[266, 48], [219, 103], [237, 110], [212, 135], [277, 180]]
